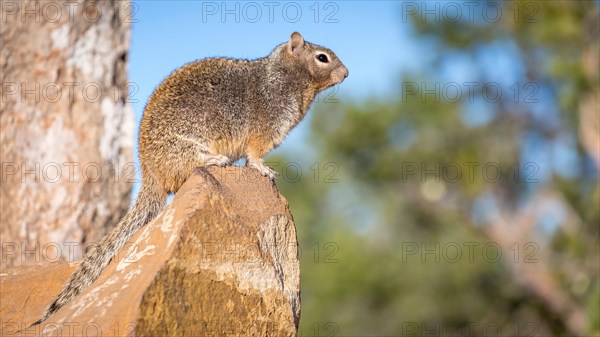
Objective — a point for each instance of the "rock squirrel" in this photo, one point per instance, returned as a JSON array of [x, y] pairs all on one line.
[[213, 112]]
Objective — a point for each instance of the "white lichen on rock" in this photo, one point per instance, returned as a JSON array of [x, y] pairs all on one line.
[[60, 37]]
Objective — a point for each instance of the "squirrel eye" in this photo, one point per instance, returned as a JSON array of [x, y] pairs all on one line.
[[322, 58]]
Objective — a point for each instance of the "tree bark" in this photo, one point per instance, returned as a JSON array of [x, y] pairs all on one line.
[[66, 126], [589, 120]]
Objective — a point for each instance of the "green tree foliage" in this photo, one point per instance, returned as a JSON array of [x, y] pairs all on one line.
[[414, 197]]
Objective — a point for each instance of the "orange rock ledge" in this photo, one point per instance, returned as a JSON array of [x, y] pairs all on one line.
[[221, 258]]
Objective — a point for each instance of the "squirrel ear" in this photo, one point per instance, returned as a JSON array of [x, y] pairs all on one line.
[[296, 42]]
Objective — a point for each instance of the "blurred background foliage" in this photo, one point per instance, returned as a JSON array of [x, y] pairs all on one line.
[[426, 213]]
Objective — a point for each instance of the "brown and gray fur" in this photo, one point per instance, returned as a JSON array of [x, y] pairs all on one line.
[[213, 112]]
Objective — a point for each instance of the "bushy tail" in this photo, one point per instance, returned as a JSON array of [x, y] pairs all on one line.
[[148, 204]]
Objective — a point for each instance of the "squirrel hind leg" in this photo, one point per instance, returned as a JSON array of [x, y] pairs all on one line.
[[215, 160]]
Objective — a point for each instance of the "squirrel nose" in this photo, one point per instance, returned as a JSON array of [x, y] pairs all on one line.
[[346, 73]]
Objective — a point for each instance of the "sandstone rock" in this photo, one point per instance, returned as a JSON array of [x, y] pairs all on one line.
[[66, 127], [220, 259]]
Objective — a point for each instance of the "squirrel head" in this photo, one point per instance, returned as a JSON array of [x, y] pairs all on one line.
[[322, 65]]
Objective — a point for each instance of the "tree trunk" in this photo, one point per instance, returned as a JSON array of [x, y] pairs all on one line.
[[66, 126], [589, 122]]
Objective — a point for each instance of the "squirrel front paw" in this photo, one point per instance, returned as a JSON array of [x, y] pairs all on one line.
[[263, 169]]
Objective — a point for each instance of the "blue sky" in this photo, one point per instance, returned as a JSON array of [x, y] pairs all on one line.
[[369, 37]]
